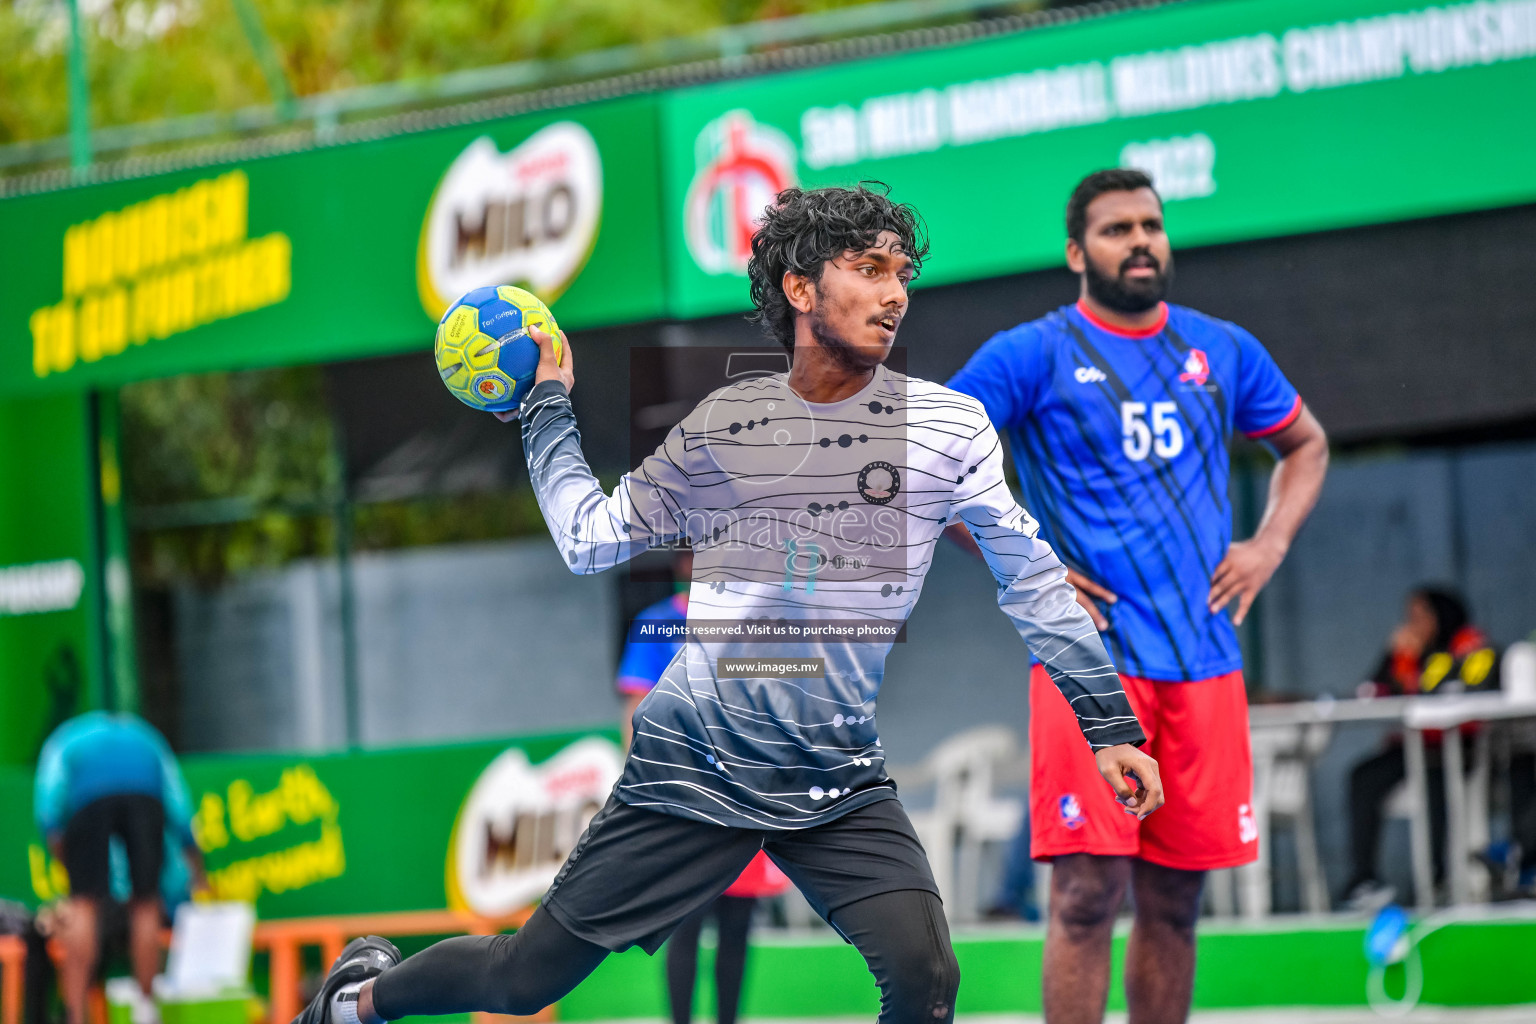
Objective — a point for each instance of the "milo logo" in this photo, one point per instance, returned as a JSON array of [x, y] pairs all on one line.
[[520, 821], [527, 217]]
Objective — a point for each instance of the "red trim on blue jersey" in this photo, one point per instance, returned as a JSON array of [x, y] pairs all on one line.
[[1127, 332], [1288, 419], [634, 684]]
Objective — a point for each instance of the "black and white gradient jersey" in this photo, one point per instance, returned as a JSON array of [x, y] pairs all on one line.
[[814, 524]]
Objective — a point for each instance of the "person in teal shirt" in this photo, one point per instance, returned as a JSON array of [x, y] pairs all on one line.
[[106, 779]]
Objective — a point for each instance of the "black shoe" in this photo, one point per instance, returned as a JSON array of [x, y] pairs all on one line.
[[362, 959]]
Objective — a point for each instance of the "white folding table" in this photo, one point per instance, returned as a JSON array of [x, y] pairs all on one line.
[[1416, 714]]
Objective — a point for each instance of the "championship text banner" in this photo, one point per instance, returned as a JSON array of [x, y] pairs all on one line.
[[1255, 118]]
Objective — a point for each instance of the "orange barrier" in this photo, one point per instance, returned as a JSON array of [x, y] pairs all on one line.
[[13, 968], [284, 940]]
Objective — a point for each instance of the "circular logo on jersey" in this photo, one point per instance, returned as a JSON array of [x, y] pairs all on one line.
[[491, 388], [1071, 811], [879, 483]]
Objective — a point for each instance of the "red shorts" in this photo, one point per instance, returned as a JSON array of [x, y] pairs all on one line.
[[1198, 732]]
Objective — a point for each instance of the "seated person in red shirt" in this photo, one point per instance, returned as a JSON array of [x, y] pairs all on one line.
[[1436, 648]]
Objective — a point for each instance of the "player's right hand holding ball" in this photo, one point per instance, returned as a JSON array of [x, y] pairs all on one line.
[[1134, 777], [555, 363]]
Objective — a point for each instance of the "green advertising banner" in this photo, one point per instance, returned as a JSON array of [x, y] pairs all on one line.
[[50, 637], [1256, 118], [479, 826], [330, 253]]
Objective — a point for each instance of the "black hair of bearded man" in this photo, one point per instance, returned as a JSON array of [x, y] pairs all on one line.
[[1115, 179]]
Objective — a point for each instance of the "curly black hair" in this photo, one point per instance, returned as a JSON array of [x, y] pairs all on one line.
[[804, 228], [1115, 179]]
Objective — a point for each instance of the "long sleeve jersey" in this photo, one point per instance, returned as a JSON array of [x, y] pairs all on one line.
[[813, 526]]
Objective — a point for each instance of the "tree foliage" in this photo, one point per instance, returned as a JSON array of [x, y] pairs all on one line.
[[228, 471], [163, 58]]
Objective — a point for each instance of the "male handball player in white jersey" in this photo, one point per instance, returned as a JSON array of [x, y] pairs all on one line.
[[812, 501]]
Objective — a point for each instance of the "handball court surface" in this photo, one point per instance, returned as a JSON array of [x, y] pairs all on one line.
[[1422, 1015], [1474, 967]]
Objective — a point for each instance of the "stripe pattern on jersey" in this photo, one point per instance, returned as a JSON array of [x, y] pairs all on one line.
[[819, 514]]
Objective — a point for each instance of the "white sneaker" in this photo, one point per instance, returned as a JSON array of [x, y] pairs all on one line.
[[1369, 896], [126, 992]]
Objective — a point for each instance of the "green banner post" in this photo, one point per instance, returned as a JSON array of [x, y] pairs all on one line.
[[79, 96], [50, 629], [120, 662]]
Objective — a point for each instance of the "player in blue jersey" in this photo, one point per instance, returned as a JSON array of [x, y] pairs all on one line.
[[1119, 410], [655, 637]]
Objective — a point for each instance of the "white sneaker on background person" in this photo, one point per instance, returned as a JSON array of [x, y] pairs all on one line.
[[1369, 896]]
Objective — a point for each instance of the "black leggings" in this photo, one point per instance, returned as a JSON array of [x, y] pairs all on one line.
[[733, 916], [902, 935]]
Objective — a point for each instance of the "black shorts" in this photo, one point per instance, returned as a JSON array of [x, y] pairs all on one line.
[[636, 874], [139, 821]]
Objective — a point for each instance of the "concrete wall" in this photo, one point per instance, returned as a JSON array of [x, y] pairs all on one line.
[[452, 642]]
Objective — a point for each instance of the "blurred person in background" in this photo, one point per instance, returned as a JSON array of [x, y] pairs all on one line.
[[1522, 803], [17, 920], [105, 777], [1436, 648], [1120, 409], [1511, 862], [647, 653]]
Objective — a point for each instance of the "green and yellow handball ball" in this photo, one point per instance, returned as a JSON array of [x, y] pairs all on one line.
[[483, 352]]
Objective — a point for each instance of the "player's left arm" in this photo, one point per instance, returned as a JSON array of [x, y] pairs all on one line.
[[1269, 409]]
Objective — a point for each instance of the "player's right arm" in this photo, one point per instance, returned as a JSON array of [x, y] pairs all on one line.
[[594, 531], [1034, 593]]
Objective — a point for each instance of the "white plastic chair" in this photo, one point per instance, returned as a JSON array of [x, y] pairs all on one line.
[[1282, 772], [1478, 832], [966, 813]]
